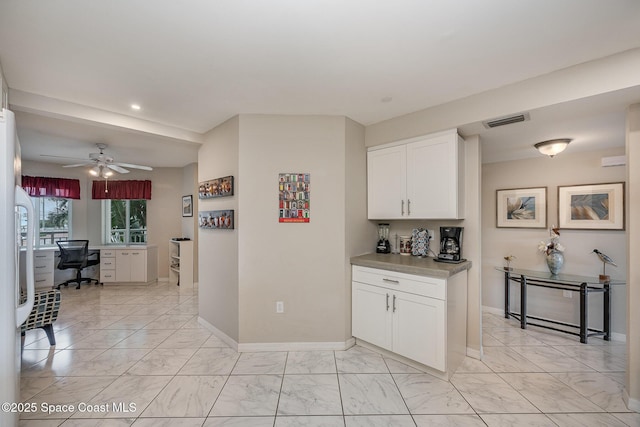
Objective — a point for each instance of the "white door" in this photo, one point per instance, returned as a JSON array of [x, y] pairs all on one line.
[[386, 183], [371, 314], [432, 178], [419, 329]]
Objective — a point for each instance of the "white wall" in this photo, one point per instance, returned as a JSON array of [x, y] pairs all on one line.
[[360, 234], [218, 249], [305, 265], [190, 224], [632, 391], [301, 264], [564, 169]]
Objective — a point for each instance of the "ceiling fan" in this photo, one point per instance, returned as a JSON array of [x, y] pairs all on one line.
[[104, 165]]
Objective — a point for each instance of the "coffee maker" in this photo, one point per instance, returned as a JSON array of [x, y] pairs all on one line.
[[450, 244], [383, 246]]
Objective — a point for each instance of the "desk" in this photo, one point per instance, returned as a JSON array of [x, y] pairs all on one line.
[[566, 282]]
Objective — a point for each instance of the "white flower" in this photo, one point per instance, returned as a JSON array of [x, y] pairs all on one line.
[[558, 247], [542, 247]]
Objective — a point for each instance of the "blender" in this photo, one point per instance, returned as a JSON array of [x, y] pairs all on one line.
[[383, 247]]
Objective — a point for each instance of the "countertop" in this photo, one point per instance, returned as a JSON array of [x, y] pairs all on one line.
[[410, 265]]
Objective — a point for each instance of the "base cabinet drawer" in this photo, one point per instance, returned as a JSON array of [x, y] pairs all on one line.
[[107, 275]]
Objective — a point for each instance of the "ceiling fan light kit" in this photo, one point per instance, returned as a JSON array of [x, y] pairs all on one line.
[[553, 146]]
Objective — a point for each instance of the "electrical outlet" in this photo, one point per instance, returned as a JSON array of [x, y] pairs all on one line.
[[567, 294], [279, 306], [431, 234]]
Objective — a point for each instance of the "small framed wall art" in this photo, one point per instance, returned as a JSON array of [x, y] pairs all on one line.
[[222, 220], [591, 207], [187, 205], [521, 208], [219, 187], [294, 197]]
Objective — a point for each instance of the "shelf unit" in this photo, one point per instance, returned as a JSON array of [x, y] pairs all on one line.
[[181, 262]]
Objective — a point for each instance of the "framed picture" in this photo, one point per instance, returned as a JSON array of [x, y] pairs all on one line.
[[591, 207], [221, 220], [219, 187], [294, 197], [187, 205], [521, 208]]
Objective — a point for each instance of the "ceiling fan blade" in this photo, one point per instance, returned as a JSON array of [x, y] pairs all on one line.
[[117, 168], [62, 157], [77, 165], [129, 165]]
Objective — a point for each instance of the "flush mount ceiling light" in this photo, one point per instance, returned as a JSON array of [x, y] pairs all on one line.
[[552, 146]]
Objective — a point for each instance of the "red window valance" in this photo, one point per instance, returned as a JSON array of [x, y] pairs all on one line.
[[121, 190], [41, 186]]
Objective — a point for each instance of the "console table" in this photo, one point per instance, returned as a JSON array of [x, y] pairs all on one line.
[[566, 282]]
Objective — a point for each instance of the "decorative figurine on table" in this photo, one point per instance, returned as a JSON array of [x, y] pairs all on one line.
[[605, 260], [509, 258]]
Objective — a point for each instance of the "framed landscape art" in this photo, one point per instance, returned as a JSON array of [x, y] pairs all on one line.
[[187, 205], [591, 207], [521, 208]]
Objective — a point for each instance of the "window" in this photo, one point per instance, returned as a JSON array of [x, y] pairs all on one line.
[[53, 221], [125, 221]]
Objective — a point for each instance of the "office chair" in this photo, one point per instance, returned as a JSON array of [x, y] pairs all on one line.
[[75, 254]]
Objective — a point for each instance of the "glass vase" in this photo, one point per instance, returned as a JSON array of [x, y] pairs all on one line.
[[555, 261]]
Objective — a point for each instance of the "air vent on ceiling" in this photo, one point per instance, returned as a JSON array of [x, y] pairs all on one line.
[[503, 121]]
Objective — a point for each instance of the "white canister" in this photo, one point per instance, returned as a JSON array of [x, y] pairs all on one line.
[[405, 245]]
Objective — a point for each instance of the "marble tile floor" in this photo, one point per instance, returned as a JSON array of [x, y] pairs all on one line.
[[138, 357]]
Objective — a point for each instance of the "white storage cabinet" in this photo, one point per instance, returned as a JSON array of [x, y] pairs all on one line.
[[136, 265], [419, 178], [181, 262], [409, 315]]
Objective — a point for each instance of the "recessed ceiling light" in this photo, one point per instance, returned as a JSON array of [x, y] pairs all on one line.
[[135, 107]]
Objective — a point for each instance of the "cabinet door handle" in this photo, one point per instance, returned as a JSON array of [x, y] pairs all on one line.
[[394, 303], [402, 208], [387, 302], [408, 207], [397, 282]]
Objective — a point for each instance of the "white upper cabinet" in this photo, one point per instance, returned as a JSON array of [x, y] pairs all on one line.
[[420, 178]]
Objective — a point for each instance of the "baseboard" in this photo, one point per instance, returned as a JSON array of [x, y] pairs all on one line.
[[632, 404], [163, 279], [297, 346], [618, 337], [615, 336], [278, 346], [473, 353], [493, 310], [218, 333]]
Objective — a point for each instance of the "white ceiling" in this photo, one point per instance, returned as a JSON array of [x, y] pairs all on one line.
[[192, 65]]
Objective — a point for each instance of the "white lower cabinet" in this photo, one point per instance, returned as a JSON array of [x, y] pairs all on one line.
[[409, 316], [129, 265], [43, 268]]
